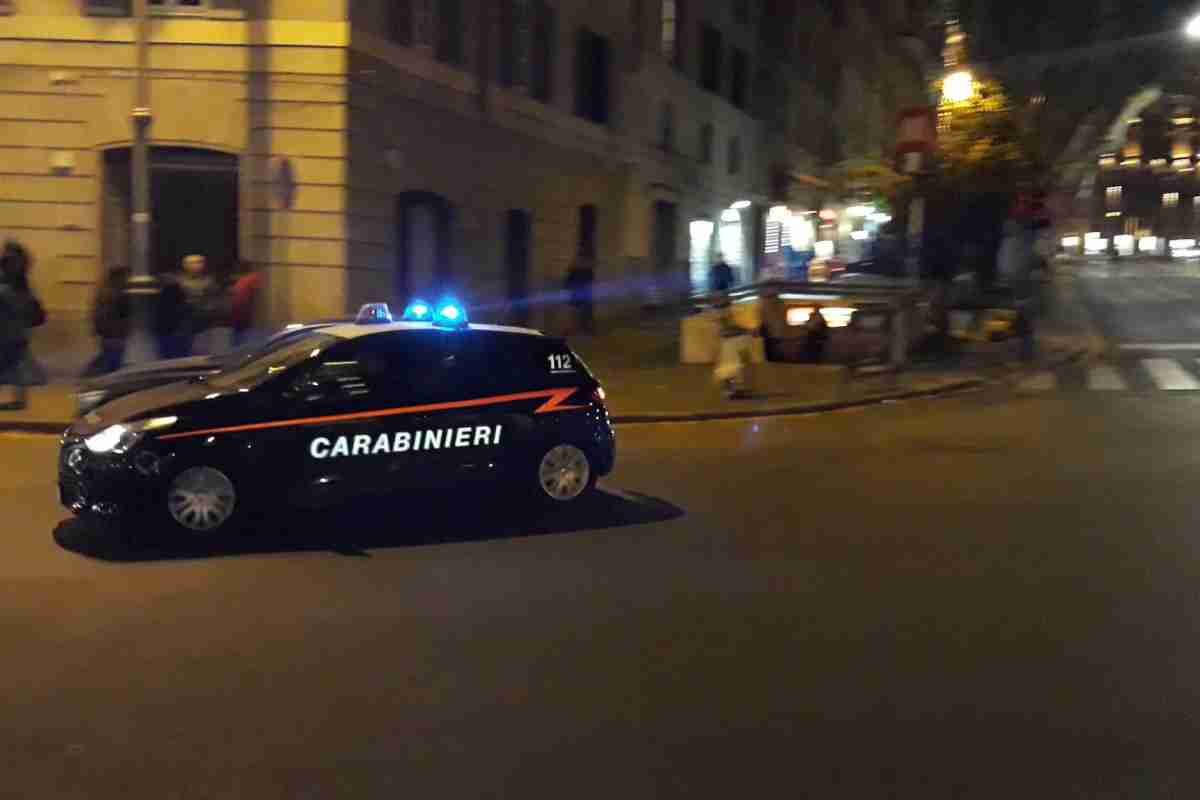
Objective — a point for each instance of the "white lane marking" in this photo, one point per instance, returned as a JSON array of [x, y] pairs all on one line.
[[1038, 382], [1160, 347], [1168, 375], [1104, 378]]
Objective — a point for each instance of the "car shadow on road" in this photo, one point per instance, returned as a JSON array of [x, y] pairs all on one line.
[[357, 528]]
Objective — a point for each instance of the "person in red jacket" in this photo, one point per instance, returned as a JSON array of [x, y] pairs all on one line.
[[243, 305]]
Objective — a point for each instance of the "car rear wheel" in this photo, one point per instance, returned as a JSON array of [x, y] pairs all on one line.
[[565, 473], [202, 501]]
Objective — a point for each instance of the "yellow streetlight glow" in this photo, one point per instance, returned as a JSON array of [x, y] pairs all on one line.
[[1193, 27], [958, 87]]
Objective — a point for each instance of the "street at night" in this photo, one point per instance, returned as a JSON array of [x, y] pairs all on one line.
[[976, 596], [558, 399]]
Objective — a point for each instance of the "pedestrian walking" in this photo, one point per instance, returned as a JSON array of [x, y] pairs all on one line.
[[20, 312], [733, 354], [578, 285], [720, 276], [1015, 266], [243, 303], [112, 320]]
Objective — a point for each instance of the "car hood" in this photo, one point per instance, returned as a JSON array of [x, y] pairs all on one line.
[[170, 399], [174, 369]]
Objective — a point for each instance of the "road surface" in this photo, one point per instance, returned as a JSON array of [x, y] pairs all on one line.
[[970, 597]]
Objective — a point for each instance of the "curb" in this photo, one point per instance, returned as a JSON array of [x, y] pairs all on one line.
[[798, 410], [21, 426]]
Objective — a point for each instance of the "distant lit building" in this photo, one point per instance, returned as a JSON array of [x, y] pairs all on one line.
[[1146, 185]]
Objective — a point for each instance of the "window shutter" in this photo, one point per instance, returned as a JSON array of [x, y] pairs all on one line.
[[108, 8]]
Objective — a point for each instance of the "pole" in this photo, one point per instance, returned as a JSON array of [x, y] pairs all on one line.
[[143, 287], [141, 147]]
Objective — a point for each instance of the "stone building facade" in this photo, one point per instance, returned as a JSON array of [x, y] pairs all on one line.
[[375, 148]]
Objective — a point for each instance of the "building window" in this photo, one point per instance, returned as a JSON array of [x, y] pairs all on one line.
[[735, 156], [109, 8], [515, 42], [706, 144], [666, 128], [587, 231], [178, 5], [545, 33], [449, 43], [741, 11], [710, 59], [1112, 196], [592, 59], [400, 22], [674, 31], [739, 76], [1170, 199]]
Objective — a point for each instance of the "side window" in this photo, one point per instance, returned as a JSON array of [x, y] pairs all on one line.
[[522, 363]]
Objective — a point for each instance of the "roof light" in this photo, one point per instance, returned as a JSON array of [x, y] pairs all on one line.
[[374, 314], [418, 311], [450, 314]]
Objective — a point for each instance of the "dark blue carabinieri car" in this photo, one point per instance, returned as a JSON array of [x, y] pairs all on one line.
[[342, 410]]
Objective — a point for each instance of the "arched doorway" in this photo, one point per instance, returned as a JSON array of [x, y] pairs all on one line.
[[424, 223], [193, 201]]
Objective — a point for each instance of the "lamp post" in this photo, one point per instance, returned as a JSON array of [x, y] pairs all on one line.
[[142, 285], [1192, 29]]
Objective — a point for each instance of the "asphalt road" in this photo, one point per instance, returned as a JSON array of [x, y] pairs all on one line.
[[994, 595]]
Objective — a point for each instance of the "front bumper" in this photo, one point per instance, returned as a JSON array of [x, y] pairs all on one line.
[[104, 484]]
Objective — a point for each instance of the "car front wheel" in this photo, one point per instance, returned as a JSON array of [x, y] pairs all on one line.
[[565, 473], [202, 501]]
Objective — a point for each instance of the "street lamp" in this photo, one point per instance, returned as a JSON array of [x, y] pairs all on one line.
[[958, 87], [1193, 28]]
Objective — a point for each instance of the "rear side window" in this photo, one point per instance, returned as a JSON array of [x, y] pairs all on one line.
[[513, 362]]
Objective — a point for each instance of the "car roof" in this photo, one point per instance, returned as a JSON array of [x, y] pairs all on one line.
[[354, 331]]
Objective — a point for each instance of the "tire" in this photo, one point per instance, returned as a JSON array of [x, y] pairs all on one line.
[[563, 474], [202, 502]]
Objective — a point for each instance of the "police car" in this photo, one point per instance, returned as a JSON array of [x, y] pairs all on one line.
[[370, 406]]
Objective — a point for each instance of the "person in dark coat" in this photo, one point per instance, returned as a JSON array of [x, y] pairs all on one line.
[[188, 304], [816, 336], [112, 320], [720, 276], [20, 312]]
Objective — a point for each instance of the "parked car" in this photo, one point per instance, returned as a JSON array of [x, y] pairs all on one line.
[[95, 392]]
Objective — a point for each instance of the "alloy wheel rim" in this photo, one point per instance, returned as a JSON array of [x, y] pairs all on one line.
[[564, 472], [201, 499]]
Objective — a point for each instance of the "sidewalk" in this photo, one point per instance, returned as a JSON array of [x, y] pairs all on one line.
[[638, 363]]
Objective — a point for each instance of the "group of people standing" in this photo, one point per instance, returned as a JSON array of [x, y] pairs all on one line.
[[188, 303]]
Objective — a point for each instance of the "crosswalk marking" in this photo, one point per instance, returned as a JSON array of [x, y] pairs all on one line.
[[1106, 379], [1038, 382], [1169, 376], [1160, 346]]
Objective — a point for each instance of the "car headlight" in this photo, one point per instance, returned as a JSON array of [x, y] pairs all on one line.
[[90, 399], [120, 438]]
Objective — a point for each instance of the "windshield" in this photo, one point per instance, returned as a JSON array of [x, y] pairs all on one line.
[[272, 359]]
